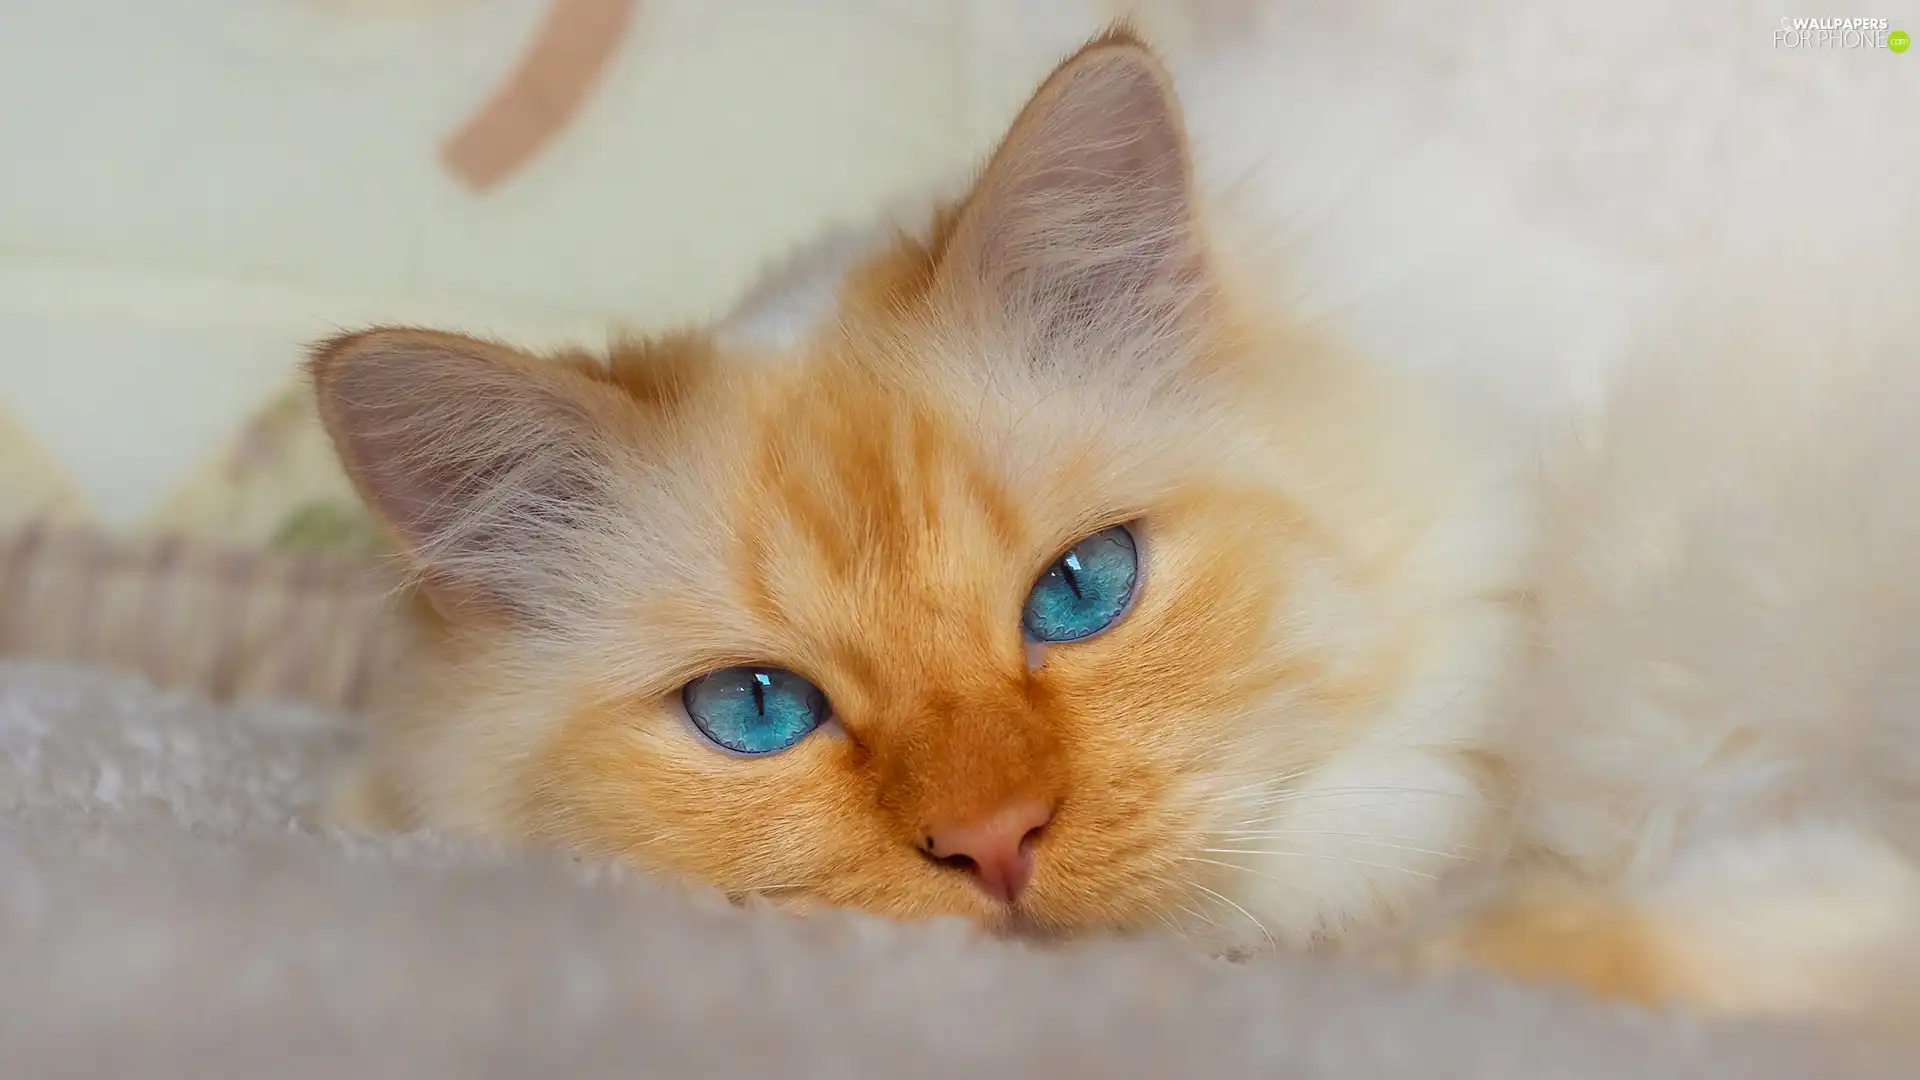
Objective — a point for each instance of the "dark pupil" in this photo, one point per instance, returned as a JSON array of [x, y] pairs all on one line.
[[1070, 573]]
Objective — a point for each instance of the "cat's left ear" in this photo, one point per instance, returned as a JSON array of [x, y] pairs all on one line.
[[1082, 227]]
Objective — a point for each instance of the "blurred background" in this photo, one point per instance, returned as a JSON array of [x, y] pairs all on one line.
[[196, 190]]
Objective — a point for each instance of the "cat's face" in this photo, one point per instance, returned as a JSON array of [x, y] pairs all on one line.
[[1029, 582]]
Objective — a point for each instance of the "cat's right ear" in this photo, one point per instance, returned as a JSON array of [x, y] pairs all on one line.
[[1081, 230], [488, 465]]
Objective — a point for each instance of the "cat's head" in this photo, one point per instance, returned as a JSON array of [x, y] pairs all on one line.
[[1023, 560]]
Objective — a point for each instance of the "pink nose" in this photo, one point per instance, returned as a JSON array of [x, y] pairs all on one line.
[[997, 849]]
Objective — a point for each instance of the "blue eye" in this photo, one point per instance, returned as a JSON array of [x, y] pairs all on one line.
[[754, 710], [1086, 590]]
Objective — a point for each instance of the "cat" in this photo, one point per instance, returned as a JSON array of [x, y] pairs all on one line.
[[1282, 503]]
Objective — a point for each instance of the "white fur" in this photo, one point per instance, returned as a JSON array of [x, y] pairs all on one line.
[[797, 297], [1814, 918], [1659, 263]]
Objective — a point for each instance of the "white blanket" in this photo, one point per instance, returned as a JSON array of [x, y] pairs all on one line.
[[167, 909]]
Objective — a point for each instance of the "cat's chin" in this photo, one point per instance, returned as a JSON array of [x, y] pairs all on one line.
[[1024, 927], [1017, 923]]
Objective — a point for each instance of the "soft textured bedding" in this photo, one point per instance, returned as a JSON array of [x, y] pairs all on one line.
[[168, 909]]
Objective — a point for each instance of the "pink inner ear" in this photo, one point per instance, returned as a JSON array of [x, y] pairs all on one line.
[[1083, 224], [488, 465]]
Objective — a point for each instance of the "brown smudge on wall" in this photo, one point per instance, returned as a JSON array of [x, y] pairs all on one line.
[[542, 95]]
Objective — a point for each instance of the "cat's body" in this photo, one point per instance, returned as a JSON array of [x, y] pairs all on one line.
[[1489, 521]]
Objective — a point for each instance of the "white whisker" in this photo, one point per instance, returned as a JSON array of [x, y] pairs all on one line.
[[1198, 916], [1320, 855], [1243, 911], [1240, 867], [1405, 843]]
